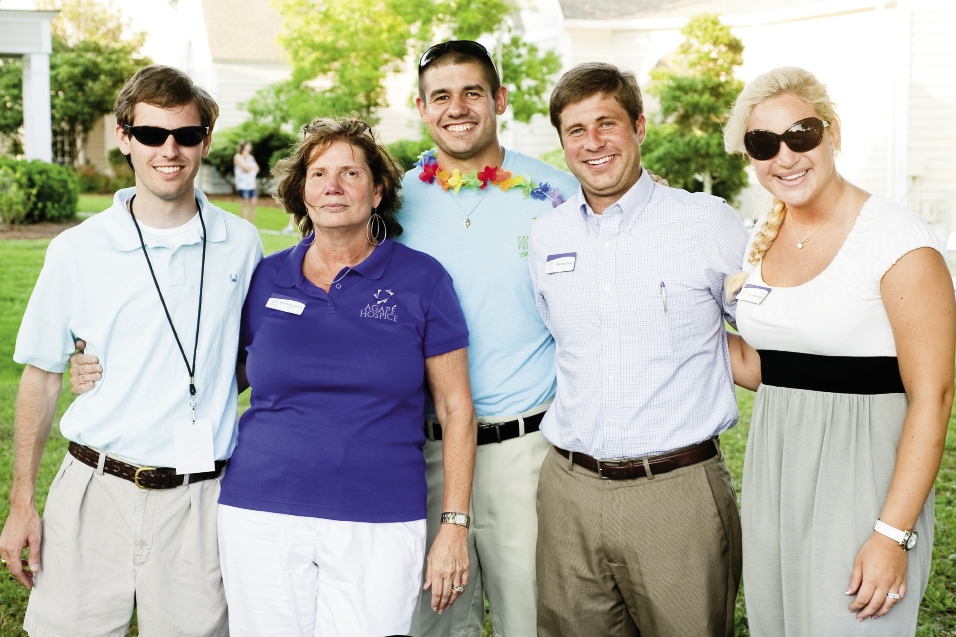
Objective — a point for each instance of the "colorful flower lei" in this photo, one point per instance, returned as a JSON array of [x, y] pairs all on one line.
[[431, 173]]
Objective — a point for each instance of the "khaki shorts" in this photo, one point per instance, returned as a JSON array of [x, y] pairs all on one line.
[[108, 546]]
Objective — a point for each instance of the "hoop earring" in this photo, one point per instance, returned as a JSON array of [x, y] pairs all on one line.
[[379, 227]]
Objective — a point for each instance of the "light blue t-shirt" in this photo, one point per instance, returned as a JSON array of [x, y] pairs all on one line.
[[95, 284], [512, 356]]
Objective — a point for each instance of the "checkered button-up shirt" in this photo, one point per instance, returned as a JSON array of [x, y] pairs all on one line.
[[643, 366]]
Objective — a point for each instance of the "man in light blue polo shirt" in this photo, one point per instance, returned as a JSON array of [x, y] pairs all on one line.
[[155, 285], [470, 204]]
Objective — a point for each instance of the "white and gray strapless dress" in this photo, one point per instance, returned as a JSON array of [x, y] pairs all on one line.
[[816, 475]]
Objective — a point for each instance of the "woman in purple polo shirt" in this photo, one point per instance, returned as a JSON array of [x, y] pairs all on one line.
[[321, 517]]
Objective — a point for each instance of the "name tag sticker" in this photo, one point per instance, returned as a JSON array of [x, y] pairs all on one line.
[[194, 452], [560, 262], [753, 294], [286, 305]]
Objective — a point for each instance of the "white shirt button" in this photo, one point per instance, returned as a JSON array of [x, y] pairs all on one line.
[[610, 378], [607, 288], [610, 333], [338, 286], [607, 245]]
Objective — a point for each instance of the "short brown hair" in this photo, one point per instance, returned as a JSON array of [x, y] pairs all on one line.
[[318, 135], [165, 87], [591, 78], [461, 52]]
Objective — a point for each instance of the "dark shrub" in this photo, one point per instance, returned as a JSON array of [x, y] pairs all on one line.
[[406, 151], [269, 145], [54, 189]]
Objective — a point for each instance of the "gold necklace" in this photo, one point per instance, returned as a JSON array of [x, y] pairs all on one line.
[[797, 231]]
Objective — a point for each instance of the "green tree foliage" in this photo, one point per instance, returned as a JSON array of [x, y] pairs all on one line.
[[84, 81], [696, 88], [91, 60], [11, 101], [351, 47]]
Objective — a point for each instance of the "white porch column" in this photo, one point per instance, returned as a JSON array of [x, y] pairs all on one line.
[[38, 136]]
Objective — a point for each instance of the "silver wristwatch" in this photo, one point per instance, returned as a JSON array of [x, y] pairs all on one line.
[[459, 519], [906, 539]]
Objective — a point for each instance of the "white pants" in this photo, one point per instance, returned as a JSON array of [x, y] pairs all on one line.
[[288, 575], [108, 545]]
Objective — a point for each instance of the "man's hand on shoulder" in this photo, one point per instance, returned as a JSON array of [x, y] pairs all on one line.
[[23, 529], [84, 371], [657, 179]]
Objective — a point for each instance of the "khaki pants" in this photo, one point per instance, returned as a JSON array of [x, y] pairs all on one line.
[[501, 541], [656, 557], [107, 544]]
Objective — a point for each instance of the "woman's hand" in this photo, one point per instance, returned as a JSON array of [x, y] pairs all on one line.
[[880, 568], [447, 566]]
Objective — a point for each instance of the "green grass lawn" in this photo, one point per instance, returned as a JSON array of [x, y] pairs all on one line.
[[20, 263]]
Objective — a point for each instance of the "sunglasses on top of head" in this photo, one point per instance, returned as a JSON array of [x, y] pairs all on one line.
[[469, 47], [801, 137], [156, 136]]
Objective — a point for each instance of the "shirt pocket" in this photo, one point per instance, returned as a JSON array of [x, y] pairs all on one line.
[[688, 322], [644, 324]]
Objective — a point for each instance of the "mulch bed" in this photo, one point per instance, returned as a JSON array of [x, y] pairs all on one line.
[[43, 230]]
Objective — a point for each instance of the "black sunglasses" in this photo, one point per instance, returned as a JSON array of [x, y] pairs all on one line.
[[468, 47], [156, 136], [800, 137]]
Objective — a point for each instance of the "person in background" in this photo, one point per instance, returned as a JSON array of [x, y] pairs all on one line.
[[638, 531], [322, 511], [846, 314], [246, 170], [155, 285]]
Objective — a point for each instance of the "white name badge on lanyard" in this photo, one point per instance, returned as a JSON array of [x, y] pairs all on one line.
[[560, 262], [285, 305], [194, 452], [753, 294]]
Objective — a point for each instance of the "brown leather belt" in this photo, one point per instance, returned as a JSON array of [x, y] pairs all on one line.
[[498, 432], [631, 469], [142, 477]]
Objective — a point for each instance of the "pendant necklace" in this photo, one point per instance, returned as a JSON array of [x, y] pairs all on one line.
[[797, 231], [467, 221]]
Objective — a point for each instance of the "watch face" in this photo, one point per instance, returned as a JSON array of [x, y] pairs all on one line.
[[911, 541]]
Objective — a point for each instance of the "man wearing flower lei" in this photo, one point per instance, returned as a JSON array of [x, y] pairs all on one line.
[[470, 203]]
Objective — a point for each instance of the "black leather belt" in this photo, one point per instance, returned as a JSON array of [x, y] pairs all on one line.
[[498, 432], [142, 477], [631, 469]]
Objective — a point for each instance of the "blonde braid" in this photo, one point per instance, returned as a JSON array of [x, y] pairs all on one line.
[[762, 242]]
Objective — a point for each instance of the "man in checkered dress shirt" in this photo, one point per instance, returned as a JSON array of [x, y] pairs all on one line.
[[638, 526]]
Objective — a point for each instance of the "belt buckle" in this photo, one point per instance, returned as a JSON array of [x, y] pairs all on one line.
[[136, 476], [613, 463]]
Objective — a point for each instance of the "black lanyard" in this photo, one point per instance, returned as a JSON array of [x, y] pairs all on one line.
[[202, 273]]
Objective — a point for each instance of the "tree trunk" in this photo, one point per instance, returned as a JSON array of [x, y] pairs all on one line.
[[708, 183]]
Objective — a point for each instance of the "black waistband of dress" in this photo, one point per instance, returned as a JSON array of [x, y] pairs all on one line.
[[835, 374]]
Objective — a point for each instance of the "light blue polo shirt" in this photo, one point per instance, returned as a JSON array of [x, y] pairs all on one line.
[[511, 356], [95, 285]]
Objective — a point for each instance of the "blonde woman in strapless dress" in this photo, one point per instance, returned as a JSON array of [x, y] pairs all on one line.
[[847, 318]]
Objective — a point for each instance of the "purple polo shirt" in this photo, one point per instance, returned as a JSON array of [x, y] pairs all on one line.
[[335, 429]]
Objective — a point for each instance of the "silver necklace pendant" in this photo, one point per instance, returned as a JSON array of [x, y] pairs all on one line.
[[800, 245], [467, 223]]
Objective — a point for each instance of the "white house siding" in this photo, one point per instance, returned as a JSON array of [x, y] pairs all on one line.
[[851, 53], [932, 115], [237, 82]]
